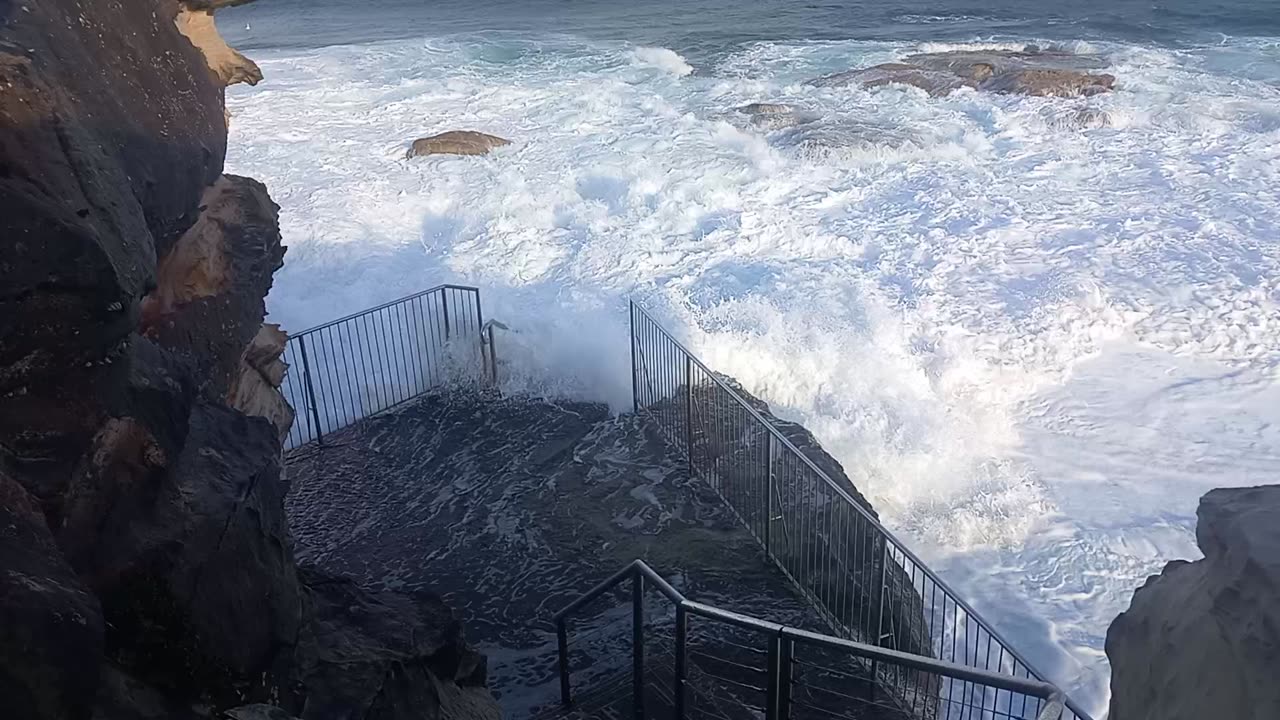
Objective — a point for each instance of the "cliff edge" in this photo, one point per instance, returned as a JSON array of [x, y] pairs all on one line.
[[146, 568], [1202, 639]]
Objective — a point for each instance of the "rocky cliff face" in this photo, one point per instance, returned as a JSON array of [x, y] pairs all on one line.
[[1202, 639], [146, 567]]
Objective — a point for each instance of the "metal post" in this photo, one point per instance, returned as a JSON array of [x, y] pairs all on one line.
[[635, 389], [480, 332], [880, 636], [311, 393], [785, 652], [688, 410], [682, 643], [444, 305], [562, 642], [637, 644], [493, 357], [884, 570], [774, 678], [769, 490]]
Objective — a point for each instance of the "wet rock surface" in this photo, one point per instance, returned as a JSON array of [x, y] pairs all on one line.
[[456, 142], [509, 509], [1031, 71], [1202, 639], [383, 654]]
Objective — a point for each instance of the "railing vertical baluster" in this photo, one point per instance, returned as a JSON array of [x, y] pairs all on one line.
[[688, 411], [635, 380], [444, 310], [562, 645], [768, 503], [774, 678], [311, 393], [637, 643], [786, 649], [682, 647]]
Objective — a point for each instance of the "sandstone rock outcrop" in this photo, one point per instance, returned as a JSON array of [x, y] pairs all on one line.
[[456, 142], [1202, 639], [255, 391], [195, 21], [1031, 71]]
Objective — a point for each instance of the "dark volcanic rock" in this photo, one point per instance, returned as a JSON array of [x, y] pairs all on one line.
[[257, 712], [382, 655], [121, 697], [192, 565], [50, 626], [1202, 639], [110, 130]]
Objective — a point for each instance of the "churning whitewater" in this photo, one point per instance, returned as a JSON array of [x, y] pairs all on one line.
[[1032, 344]]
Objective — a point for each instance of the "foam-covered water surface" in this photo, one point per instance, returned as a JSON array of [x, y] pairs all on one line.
[[909, 276]]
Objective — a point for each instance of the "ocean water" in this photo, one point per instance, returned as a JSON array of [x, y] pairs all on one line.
[[1033, 346]]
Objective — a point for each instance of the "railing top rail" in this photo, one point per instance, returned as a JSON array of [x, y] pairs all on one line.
[[604, 586], [1001, 681], [659, 582], [383, 306], [732, 618], [777, 434]]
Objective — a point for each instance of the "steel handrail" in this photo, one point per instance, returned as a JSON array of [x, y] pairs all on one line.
[[637, 569], [898, 544], [384, 306]]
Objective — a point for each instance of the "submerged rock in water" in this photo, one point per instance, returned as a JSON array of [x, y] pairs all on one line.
[[1202, 639], [456, 142], [932, 82], [1050, 83], [827, 137], [766, 109], [1028, 72], [1081, 119], [776, 116]]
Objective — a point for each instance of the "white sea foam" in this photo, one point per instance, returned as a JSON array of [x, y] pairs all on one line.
[[909, 276], [663, 59]]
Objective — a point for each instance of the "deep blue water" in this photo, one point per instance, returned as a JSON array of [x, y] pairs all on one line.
[[702, 29]]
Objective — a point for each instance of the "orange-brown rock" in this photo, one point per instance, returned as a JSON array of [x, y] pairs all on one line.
[[456, 142], [255, 391], [1027, 72], [195, 21]]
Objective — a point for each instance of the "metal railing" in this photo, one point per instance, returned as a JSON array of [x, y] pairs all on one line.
[[863, 581], [373, 360], [805, 674]]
